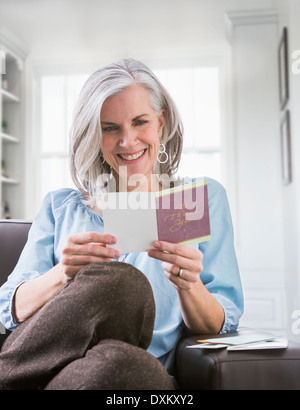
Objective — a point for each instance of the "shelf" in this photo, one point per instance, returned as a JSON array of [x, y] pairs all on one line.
[[9, 138], [9, 181], [11, 135], [9, 97]]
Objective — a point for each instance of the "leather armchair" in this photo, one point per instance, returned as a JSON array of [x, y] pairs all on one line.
[[195, 369]]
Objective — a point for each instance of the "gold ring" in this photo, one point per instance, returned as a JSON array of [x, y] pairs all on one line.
[[180, 273]]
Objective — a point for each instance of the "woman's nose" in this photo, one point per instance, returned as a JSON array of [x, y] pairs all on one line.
[[128, 139]]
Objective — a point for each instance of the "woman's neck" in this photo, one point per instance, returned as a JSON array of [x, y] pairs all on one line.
[[139, 184]]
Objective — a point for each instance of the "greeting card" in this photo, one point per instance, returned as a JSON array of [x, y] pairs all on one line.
[[177, 215]]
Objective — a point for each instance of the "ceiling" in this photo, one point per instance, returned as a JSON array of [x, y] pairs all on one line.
[[58, 29]]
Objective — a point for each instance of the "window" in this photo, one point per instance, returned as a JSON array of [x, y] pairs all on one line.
[[196, 92], [58, 94]]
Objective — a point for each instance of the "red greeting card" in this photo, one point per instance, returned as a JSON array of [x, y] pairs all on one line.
[[183, 215]]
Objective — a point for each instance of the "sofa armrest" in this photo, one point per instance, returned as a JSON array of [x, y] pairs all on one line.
[[194, 367], [272, 369]]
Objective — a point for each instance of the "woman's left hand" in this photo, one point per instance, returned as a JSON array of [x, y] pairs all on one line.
[[182, 265]]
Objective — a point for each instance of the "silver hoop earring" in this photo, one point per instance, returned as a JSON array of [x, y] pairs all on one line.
[[162, 152]]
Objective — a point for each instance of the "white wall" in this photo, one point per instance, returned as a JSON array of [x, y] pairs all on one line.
[[290, 18], [258, 224], [268, 212]]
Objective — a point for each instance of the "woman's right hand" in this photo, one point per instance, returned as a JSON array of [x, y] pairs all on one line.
[[84, 248], [80, 250]]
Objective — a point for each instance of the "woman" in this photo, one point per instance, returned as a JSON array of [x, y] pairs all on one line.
[[81, 310]]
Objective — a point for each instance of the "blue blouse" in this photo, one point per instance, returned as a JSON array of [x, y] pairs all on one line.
[[63, 213]]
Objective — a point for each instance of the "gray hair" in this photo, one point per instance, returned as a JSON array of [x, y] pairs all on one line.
[[86, 161]]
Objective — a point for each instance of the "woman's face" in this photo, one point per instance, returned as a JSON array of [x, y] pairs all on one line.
[[131, 132]]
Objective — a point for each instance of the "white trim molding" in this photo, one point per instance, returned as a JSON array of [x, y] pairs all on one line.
[[249, 17]]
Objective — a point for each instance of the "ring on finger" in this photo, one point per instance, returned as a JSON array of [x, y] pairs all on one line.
[[180, 273]]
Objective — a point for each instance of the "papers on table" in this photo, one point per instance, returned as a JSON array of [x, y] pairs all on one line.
[[248, 341], [277, 343], [207, 346]]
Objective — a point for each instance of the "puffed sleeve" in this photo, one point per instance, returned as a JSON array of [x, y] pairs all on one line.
[[35, 260], [221, 273]]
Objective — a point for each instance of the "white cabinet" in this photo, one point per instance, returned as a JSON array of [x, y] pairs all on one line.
[[12, 54]]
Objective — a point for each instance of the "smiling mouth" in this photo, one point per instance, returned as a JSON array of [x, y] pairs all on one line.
[[131, 157]]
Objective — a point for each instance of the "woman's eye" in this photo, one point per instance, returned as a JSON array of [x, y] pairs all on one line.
[[111, 128], [140, 122]]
